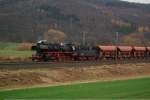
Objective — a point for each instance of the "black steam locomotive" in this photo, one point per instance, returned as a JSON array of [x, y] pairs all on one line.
[[62, 51]]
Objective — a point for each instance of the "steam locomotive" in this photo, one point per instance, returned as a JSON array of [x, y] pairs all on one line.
[[45, 51]]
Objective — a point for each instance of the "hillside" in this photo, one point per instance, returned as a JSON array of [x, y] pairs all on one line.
[[31, 20]]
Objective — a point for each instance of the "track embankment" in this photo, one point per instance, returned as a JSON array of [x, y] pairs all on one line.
[[34, 65], [51, 74]]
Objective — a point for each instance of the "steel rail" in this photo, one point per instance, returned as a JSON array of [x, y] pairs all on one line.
[[26, 65]]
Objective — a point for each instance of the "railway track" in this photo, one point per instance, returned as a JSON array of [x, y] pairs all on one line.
[[26, 65]]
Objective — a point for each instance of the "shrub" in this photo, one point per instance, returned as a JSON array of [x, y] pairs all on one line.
[[24, 46]]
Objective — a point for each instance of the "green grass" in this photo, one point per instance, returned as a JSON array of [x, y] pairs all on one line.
[[128, 89], [15, 53], [10, 50], [8, 46]]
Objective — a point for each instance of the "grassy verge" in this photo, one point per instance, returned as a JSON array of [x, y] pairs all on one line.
[[127, 89], [15, 53], [12, 50], [8, 46]]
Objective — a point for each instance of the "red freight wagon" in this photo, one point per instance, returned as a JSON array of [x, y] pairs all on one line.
[[139, 52], [125, 51], [107, 51]]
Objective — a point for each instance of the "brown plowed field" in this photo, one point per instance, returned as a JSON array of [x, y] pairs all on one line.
[[30, 77]]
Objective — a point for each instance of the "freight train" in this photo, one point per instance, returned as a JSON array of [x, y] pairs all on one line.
[[45, 51]]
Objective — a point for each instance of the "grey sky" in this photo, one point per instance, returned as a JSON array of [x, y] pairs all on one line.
[[138, 1]]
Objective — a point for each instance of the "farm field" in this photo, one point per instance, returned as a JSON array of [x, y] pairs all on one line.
[[47, 80], [13, 51], [131, 89]]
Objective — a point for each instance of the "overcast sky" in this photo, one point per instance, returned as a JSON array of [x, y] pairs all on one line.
[[138, 1]]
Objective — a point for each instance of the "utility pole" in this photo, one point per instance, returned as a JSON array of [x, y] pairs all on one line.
[[71, 26], [71, 29], [83, 37], [117, 39]]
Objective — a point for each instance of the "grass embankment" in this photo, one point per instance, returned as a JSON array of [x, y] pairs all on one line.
[[15, 53], [135, 88], [12, 50]]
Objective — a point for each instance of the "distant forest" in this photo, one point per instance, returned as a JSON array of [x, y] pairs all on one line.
[[69, 20]]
